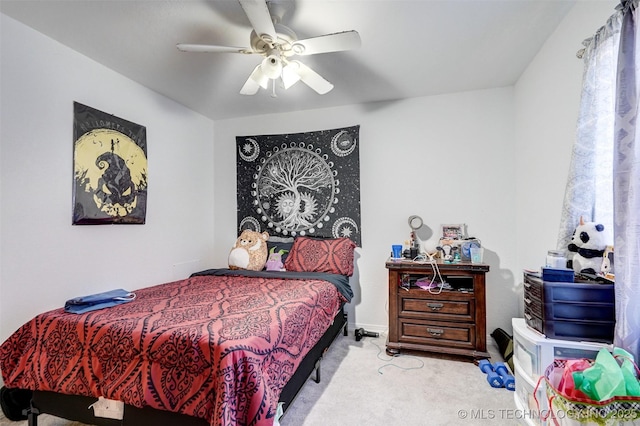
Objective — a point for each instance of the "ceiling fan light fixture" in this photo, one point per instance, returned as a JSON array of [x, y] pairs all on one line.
[[290, 75], [272, 66], [256, 80], [262, 80]]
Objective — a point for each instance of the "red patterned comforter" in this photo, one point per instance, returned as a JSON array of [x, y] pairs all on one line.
[[216, 347]]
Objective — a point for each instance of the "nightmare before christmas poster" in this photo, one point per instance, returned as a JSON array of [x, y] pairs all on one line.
[[110, 169], [300, 184]]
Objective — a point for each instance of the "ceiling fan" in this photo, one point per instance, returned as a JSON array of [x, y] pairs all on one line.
[[278, 44]]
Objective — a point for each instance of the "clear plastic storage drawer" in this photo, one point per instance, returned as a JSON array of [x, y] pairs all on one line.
[[533, 352]]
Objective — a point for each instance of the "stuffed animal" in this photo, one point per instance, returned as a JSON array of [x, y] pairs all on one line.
[[588, 243], [447, 250], [249, 251], [274, 262]]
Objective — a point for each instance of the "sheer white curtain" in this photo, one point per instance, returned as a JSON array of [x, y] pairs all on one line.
[[604, 176], [588, 193], [626, 178]]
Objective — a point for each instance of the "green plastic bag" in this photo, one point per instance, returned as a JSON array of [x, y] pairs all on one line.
[[603, 380], [628, 368]]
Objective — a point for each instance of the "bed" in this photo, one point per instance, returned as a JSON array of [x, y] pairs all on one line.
[[223, 347]]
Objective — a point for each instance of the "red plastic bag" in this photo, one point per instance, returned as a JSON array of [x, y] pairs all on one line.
[[566, 385]]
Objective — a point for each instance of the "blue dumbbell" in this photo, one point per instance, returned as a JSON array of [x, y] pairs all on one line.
[[493, 378], [508, 380], [485, 366]]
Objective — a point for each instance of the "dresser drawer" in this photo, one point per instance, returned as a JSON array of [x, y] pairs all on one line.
[[437, 309], [450, 334]]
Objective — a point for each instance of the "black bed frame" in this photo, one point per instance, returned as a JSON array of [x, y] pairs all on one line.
[[75, 407]]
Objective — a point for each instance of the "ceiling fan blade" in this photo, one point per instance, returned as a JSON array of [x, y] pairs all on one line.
[[210, 48], [260, 18], [311, 78], [335, 42], [256, 80]]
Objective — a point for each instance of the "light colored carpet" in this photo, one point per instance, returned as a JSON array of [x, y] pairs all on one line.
[[361, 385]]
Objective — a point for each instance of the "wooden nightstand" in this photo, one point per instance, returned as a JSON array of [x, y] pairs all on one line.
[[448, 321]]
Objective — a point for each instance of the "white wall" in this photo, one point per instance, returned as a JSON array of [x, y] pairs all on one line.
[[446, 158], [547, 99], [44, 259]]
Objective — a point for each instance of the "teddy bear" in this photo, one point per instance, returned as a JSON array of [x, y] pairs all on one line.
[[588, 243], [250, 251]]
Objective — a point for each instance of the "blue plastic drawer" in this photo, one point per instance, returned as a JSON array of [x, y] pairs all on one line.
[[591, 331], [558, 275], [577, 292], [579, 311]]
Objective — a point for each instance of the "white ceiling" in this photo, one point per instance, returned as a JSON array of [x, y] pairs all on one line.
[[409, 47]]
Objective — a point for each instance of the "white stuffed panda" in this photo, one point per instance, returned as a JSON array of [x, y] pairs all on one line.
[[588, 242]]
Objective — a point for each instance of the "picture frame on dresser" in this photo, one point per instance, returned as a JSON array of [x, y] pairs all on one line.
[[454, 232]]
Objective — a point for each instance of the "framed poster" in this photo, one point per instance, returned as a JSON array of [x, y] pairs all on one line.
[[110, 169]]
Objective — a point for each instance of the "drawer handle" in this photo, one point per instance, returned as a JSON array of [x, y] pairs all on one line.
[[435, 306], [527, 285], [527, 316], [435, 331], [527, 301]]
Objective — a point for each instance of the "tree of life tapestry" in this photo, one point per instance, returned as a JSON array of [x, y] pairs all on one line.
[[110, 169], [304, 184]]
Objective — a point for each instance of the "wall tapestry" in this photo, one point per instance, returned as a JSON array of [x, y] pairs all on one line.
[[110, 169], [300, 184]]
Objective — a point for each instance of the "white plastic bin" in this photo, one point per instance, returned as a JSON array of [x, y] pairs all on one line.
[[533, 352]]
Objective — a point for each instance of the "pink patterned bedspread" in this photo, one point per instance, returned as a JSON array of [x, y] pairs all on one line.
[[216, 347]]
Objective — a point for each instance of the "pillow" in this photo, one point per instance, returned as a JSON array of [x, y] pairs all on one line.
[[276, 244], [334, 255]]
